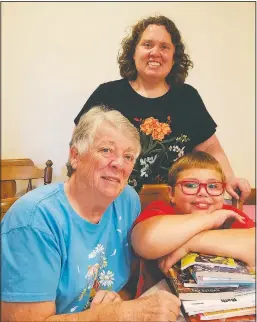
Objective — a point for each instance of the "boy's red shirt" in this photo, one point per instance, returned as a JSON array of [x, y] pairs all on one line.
[[160, 208]]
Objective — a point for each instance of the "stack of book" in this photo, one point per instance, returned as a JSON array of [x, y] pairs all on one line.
[[213, 287]]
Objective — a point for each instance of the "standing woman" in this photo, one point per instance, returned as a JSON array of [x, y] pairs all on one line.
[[170, 115]]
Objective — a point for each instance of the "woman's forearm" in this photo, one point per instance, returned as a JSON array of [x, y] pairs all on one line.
[[236, 243], [103, 312], [233, 184], [160, 235], [213, 147]]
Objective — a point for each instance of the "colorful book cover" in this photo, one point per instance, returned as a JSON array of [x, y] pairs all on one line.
[[195, 293], [189, 281], [240, 272], [206, 260]]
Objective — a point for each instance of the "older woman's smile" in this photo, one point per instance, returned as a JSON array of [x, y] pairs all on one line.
[[112, 179]]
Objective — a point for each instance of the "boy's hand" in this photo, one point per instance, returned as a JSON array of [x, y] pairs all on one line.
[[218, 217], [167, 261], [103, 296]]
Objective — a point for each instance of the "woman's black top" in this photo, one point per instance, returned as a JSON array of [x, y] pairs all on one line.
[[170, 125]]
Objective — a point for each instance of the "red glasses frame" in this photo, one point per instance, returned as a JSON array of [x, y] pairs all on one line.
[[201, 185]]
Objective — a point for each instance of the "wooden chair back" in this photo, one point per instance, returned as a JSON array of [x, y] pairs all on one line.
[[151, 192], [20, 169], [249, 201]]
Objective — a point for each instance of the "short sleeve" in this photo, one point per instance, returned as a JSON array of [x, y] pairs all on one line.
[[31, 266], [155, 208], [200, 123], [96, 98]]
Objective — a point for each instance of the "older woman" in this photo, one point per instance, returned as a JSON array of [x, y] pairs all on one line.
[[170, 114], [66, 247]]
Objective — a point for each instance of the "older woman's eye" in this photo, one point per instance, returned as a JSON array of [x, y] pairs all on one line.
[[129, 158], [106, 150]]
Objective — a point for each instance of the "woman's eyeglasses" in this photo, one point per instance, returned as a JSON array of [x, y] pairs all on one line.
[[193, 187]]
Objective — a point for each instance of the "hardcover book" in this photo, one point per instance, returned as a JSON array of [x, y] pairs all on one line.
[[202, 280], [241, 272], [196, 293], [189, 280]]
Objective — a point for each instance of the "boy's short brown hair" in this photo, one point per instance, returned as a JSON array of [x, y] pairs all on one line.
[[193, 160]]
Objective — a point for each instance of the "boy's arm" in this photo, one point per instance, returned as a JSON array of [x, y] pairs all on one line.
[[160, 235], [236, 243]]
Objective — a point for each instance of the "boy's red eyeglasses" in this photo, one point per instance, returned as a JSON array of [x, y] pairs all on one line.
[[193, 187]]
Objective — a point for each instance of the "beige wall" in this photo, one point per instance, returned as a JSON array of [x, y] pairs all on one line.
[[55, 54]]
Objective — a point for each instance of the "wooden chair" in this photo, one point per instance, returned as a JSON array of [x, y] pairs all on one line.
[[249, 201], [151, 192], [20, 169]]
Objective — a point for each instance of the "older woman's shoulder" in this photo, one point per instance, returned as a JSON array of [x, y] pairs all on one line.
[[31, 205], [130, 192], [128, 203], [128, 196]]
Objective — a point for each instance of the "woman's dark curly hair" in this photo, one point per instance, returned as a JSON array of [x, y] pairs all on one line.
[[182, 61]]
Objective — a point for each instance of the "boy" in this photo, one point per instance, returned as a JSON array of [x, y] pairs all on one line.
[[193, 221]]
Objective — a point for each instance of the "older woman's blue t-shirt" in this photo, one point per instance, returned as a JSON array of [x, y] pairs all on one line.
[[50, 253]]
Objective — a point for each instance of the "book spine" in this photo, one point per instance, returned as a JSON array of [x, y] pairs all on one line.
[[174, 290], [172, 282]]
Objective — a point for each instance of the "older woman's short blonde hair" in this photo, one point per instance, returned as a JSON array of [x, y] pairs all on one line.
[[84, 133]]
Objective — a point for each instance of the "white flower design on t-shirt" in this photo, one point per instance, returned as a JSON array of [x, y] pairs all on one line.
[[106, 279]]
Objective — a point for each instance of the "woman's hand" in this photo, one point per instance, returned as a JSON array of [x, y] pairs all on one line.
[[104, 296], [238, 183], [159, 306]]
